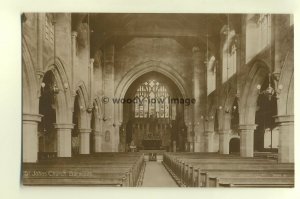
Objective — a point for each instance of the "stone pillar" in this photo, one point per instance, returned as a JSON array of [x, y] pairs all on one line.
[[174, 146], [30, 137], [192, 147], [84, 136], [74, 48], [286, 138], [224, 141], [98, 141], [247, 139], [200, 95], [189, 136], [209, 141], [64, 146], [40, 42], [116, 137], [108, 92], [91, 81], [197, 143]]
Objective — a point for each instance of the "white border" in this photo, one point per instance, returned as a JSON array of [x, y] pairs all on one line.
[[10, 88]]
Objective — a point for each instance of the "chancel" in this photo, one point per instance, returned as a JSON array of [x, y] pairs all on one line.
[[191, 100]]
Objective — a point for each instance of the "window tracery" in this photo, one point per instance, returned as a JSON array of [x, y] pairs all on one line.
[[152, 100]]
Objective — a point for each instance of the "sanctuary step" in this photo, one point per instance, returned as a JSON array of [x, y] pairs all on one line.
[[153, 155]]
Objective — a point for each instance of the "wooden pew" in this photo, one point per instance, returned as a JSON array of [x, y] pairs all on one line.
[[251, 182], [205, 175], [106, 170], [191, 168]]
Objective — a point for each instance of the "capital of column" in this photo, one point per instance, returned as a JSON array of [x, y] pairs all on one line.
[[280, 119], [92, 61], [117, 124], [98, 133], [208, 132], [85, 130], [197, 138], [226, 131], [247, 127], [32, 117], [64, 126], [40, 74], [196, 123], [74, 34]]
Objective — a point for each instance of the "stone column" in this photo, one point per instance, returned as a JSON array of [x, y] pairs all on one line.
[[116, 137], [286, 138], [30, 137], [189, 136], [224, 141], [98, 141], [74, 48], [84, 136], [108, 92], [40, 42], [209, 141], [174, 146], [64, 146], [247, 139], [192, 148], [199, 93], [197, 143], [91, 81]]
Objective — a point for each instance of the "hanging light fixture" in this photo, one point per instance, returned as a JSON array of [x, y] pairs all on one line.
[[206, 117], [270, 92], [226, 32]]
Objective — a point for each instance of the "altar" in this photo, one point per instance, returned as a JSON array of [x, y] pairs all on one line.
[[151, 144]]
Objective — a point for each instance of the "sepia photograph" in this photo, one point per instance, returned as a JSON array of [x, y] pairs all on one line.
[[157, 99]]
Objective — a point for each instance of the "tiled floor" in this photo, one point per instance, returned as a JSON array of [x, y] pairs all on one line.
[[157, 176]]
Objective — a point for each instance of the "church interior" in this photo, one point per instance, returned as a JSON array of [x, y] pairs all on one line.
[[165, 99]]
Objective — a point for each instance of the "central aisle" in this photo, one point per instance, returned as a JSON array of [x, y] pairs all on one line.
[[156, 175]]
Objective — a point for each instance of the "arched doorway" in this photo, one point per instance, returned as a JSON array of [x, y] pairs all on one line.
[[264, 118], [151, 119], [234, 145], [47, 108]]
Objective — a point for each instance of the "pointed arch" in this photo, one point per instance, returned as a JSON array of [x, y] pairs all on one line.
[[257, 75], [141, 69], [64, 97], [286, 99], [83, 100], [30, 88]]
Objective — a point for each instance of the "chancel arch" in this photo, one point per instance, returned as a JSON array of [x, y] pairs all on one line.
[[152, 119], [141, 69]]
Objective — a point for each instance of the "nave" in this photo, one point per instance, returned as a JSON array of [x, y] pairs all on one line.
[[102, 90], [157, 176], [183, 169]]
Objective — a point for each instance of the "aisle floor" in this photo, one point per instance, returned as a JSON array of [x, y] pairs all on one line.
[[156, 175]]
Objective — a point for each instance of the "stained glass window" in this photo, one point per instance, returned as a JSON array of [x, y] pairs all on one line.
[[153, 100]]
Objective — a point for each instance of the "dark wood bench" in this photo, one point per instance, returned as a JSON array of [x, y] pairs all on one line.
[[196, 169], [206, 174], [251, 182], [109, 170]]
